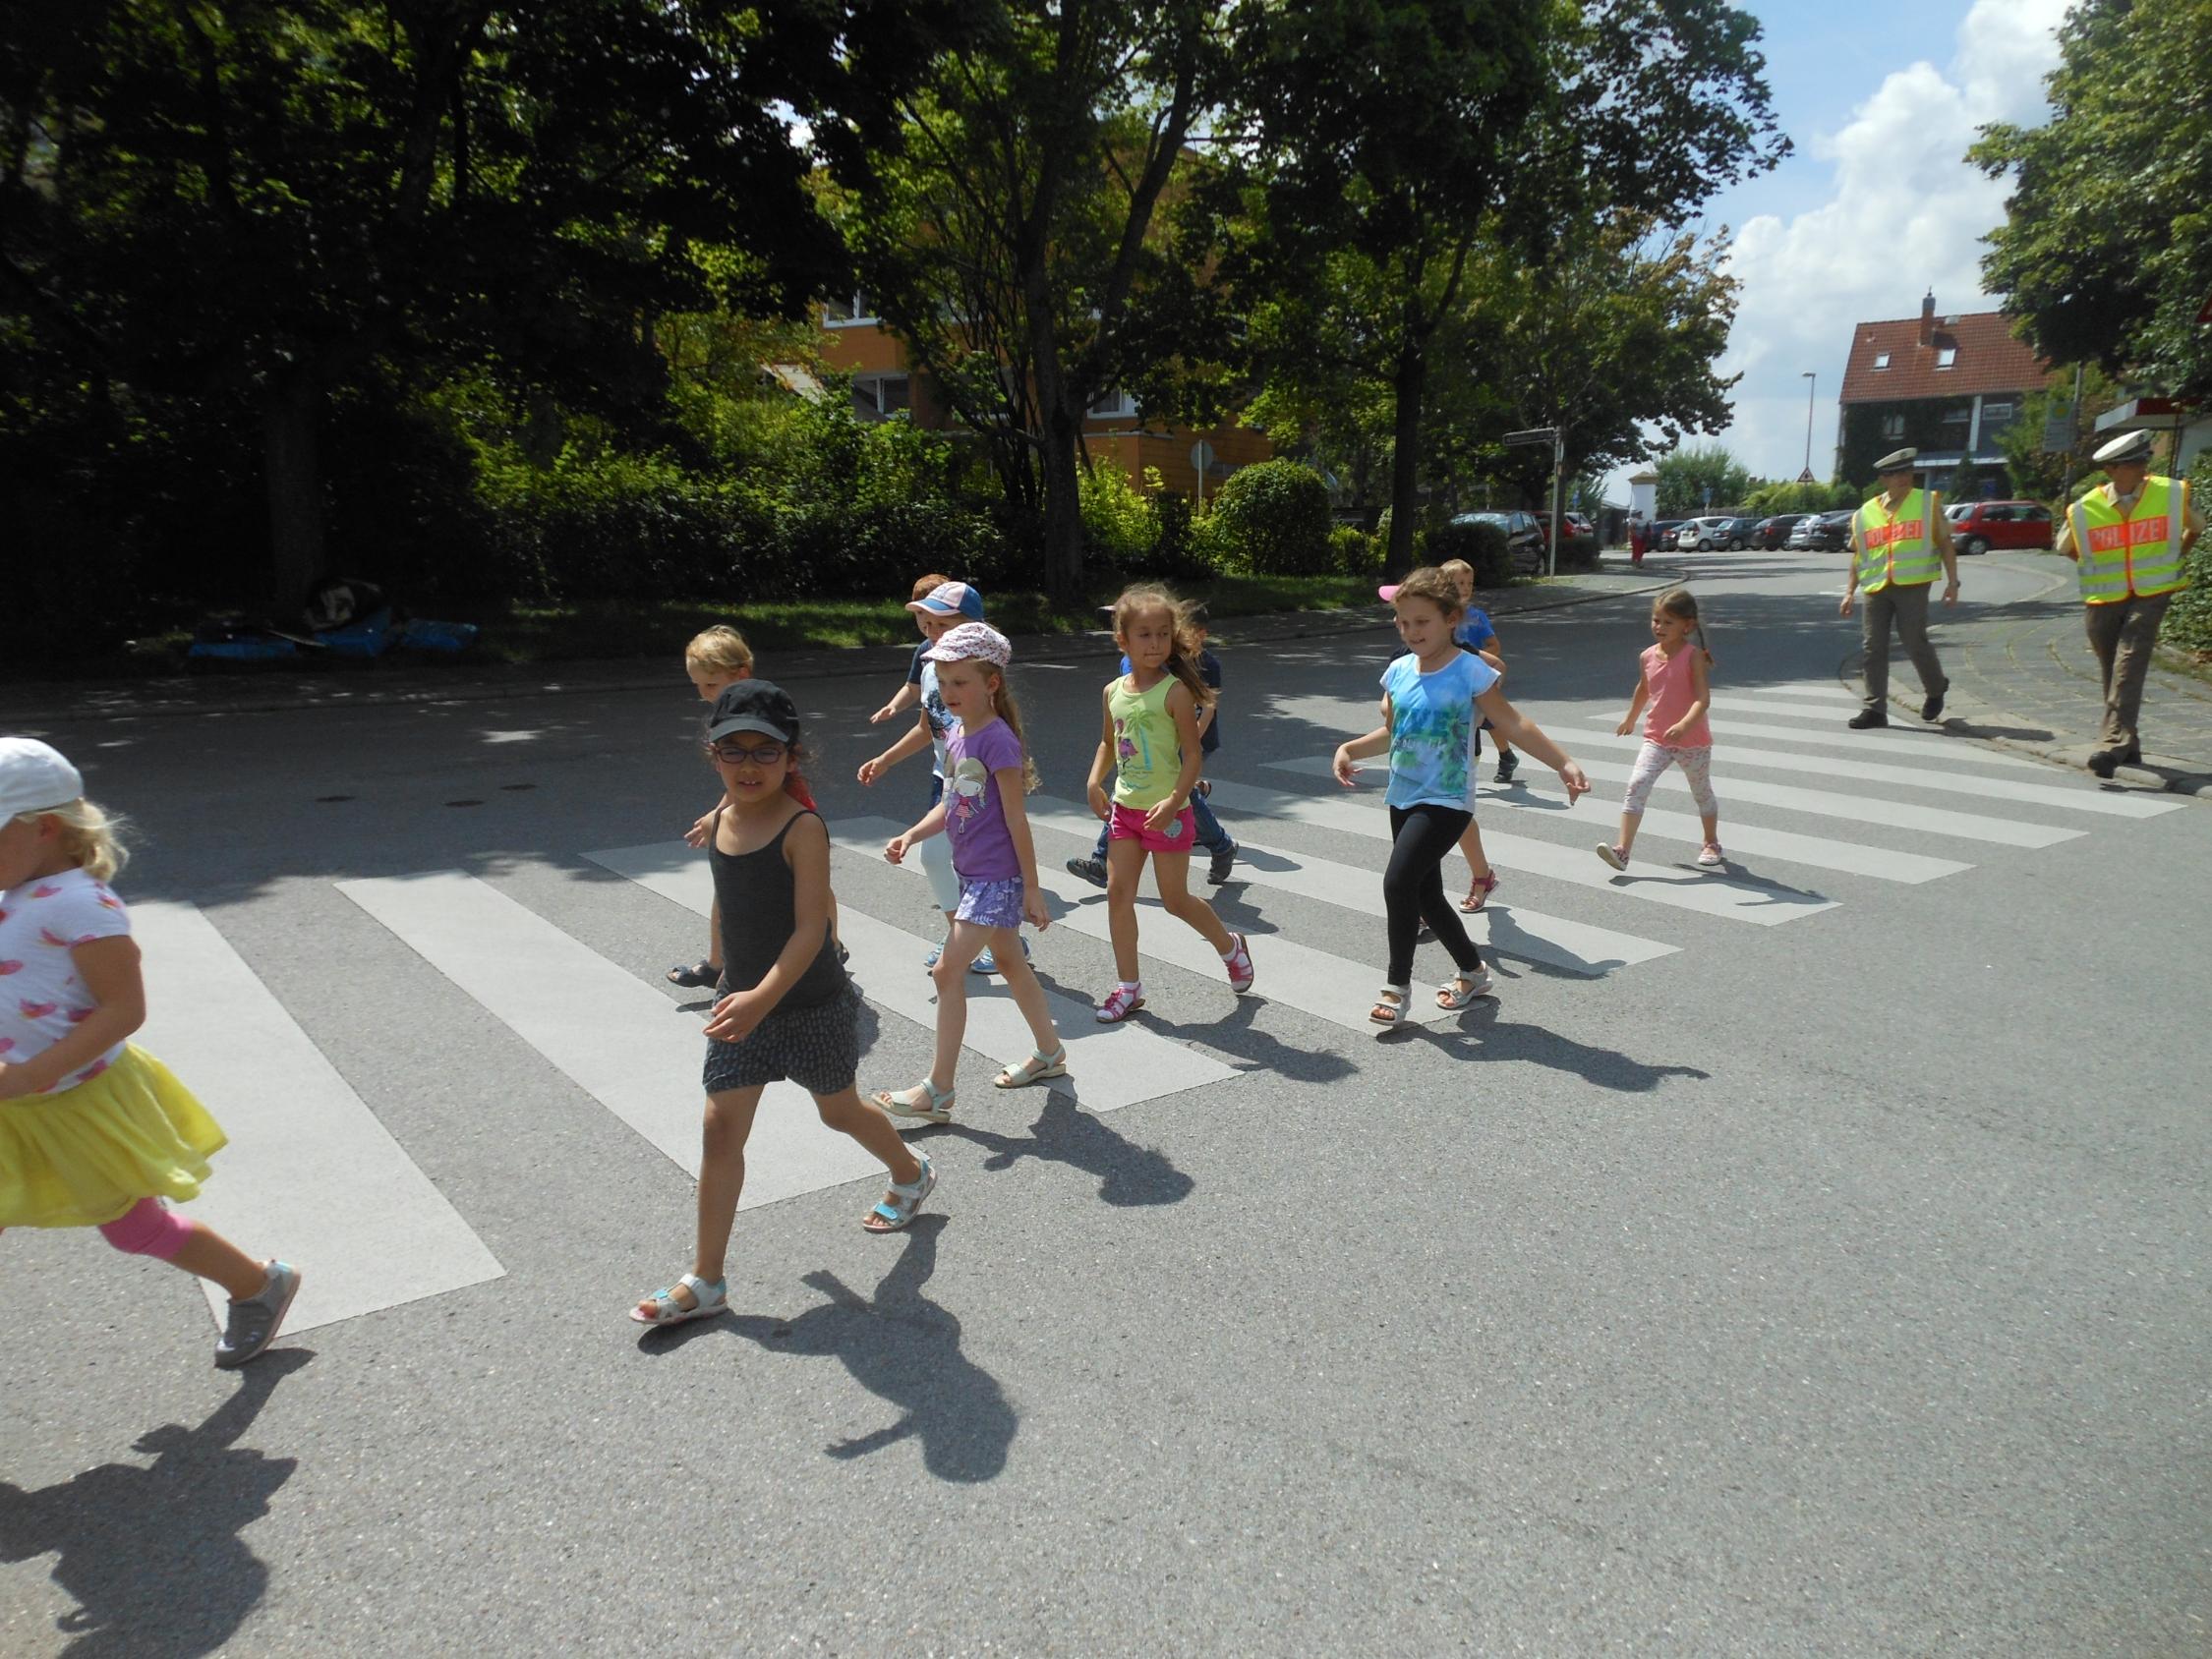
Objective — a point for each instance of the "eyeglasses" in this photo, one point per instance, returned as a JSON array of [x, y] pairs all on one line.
[[735, 754]]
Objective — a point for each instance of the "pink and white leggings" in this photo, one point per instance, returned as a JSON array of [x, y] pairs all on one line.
[[1652, 758]]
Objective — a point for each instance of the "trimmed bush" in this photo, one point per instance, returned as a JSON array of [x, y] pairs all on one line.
[[1272, 518], [1355, 551], [1482, 544], [2189, 616], [1578, 552]]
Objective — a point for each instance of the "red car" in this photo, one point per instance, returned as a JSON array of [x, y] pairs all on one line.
[[1978, 526]]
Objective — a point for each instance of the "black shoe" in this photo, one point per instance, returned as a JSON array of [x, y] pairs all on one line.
[[1091, 869], [2103, 762], [1224, 860], [1507, 763], [2134, 757], [1866, 718], [1932, 709]]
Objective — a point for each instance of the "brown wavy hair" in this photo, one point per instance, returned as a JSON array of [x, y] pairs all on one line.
[[1432, 583], [1182, 653], [1682, 604]]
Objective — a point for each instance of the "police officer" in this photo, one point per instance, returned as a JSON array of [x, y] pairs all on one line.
[[1899, 541], [2129, 538]]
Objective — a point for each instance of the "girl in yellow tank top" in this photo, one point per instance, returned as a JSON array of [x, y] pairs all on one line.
[[1149, 739]]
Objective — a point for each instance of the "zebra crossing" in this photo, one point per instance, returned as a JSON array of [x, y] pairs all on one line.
[[1908, 807]]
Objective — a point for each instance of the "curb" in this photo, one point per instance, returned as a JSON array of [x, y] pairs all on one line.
[[820, 664]]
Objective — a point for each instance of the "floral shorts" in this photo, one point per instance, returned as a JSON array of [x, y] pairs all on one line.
[[991, 905]]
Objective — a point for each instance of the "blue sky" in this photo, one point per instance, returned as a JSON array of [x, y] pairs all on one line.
[[1876, 206]]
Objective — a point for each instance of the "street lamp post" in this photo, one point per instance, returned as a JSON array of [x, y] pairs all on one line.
[[1811, 381]]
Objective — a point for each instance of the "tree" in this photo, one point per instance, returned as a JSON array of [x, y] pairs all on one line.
[[278, 200], [1009, 242], [1619, 329], [2105, 253], [2034, 473], [1402, 131], [1700, 478]]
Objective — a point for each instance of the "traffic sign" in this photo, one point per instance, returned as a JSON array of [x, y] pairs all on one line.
[[1534, 435]]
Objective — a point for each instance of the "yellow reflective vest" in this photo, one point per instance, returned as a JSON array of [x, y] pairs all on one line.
[[2133, 554], [1899, 547]]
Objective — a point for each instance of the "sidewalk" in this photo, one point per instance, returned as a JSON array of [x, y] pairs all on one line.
[[364, 685], [2023, 676]]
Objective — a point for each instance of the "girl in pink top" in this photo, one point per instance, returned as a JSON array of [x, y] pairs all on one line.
[[1673, 681]]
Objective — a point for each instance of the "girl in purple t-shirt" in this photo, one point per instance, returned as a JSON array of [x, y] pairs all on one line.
[[987, 774]]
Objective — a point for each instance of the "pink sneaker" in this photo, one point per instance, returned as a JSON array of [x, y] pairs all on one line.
[[1119, 1006], [1238, 964]]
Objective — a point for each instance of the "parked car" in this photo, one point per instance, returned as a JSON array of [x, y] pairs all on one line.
[[1716, 530], [1524, 536], [1978, 526], [1659, 533], [1772, 533], [1824, 533]]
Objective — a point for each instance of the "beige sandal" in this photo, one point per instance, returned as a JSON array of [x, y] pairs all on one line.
[[1035, 1069]]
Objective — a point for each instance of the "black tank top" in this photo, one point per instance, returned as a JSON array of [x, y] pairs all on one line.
[[758, 913]]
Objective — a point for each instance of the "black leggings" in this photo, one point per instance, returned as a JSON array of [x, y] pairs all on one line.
[[1413, 886]]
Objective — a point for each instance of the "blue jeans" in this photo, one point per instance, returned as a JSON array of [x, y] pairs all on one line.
[[1206, 829]]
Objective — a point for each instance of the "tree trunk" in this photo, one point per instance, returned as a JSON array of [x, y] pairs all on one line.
[[1407, 385], [290, 450], [1063, 507]]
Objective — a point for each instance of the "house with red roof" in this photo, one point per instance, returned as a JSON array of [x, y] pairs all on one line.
[[1947, 386]]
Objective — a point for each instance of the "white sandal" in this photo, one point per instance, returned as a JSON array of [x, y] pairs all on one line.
[[1387, 1014], [1463, 989], [1035, 1069], [707, 1301]]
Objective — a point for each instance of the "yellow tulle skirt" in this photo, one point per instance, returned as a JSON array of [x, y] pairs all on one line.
[[83, 1157]]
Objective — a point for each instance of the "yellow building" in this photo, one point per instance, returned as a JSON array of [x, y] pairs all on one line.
[[855, 341]]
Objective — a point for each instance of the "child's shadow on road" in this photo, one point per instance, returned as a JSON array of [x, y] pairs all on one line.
[[907, 1348], [153, 1555], [1127, 1174], [1609, 1069]]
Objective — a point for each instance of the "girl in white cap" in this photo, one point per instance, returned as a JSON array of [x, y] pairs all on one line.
[[95, 1132], [983, 815]]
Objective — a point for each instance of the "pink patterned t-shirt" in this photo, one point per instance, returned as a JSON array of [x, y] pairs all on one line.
[[41, 996]]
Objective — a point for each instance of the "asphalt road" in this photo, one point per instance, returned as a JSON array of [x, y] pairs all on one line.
[[1828, 1279]]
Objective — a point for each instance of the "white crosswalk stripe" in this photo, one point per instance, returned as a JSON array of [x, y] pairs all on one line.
[[1820, 803], [1506, 927], [1930, 744], [1883, 864], [310, 1174], [1360, 812], [1112, 1065], [2064, 797], [1314, 981]]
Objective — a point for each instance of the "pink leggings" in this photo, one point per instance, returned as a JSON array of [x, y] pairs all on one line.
[[148, 1227], [1696, 762]]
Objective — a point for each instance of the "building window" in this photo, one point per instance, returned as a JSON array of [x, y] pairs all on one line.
[[1958, 414], [1947, 357], [1116, 405], [1893, 426], [1880, 360], [1998, 413], [881, 396], [849, 312]]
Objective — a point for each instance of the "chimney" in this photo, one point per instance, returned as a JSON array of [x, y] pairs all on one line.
[[1928, 318]]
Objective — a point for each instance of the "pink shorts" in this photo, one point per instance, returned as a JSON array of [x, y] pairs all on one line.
[[1180, 835]]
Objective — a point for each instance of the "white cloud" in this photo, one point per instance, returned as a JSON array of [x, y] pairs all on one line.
[[1905, 213]]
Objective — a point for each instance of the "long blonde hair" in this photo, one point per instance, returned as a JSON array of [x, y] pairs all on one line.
[[1183, 652], [89, 836]]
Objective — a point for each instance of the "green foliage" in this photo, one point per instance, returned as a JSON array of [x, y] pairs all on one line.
[[1790, 496], [2035, 474], [1482, 544], [1686, 475], [1272, 518], [2189, 616], [1355, 552], [2105, 253], [1577, 553], [1119, 524]]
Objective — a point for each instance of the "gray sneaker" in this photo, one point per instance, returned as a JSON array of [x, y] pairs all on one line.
[[1221, 865], [1091, 869], [254, 1321]]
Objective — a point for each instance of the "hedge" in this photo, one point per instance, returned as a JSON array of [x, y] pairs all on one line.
[[1272, 518]]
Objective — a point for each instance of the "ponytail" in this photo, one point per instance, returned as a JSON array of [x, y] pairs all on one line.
[[1682, 604]]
